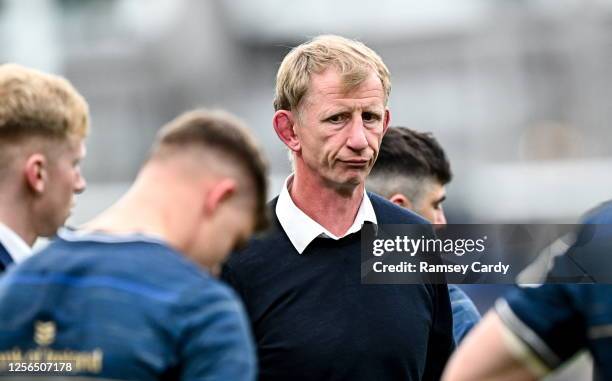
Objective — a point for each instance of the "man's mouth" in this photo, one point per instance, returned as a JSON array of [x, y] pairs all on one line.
[[356, 163]]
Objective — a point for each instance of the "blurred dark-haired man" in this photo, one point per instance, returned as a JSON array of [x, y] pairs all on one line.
[[412, 171]]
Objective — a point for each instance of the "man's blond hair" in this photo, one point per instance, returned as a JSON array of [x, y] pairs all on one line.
[[36, 104], [352, 59]]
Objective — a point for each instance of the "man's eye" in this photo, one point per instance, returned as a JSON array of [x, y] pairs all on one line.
[[336, 118], [370, 117]]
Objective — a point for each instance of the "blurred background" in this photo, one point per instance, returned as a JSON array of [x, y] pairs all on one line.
[[518, 92]]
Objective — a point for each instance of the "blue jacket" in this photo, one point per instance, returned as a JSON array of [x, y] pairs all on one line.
[[128, 308]]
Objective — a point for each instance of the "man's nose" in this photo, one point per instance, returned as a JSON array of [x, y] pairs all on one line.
[[440, 218], [80, 185], [357, 138]]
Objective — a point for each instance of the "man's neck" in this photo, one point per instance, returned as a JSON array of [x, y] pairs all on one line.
[[150, 210], [333, 208], [136, 212], [17, 221]]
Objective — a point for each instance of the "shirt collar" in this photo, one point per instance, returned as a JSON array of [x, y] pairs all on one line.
[[14, 244], [302, 230], [81, 235]]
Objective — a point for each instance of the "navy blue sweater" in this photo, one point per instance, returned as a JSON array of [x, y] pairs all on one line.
[[5, 258], [314, 320]]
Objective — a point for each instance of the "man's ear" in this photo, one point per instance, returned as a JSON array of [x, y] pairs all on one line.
[[219, 192], [386, 121], [401, 200], [284, 125], [35, 172]]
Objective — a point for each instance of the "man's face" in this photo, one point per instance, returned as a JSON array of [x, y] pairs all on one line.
[[228, 230], [430, 204], [339, 132], [64, 181]]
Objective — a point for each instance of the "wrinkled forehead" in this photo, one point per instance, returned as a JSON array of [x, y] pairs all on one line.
[[330, 84]]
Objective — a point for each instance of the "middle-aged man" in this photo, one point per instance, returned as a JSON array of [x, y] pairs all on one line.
[[412, 171], [124, 298], [43, 124], [312, 318], [534, 330]]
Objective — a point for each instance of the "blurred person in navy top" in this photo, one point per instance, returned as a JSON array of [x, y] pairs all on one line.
[[43, 124], [312, 317], [412, 171], [128, 296], [534, 330]]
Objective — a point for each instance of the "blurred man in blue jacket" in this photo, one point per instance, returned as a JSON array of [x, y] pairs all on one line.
[[535, 330], [129, 296]]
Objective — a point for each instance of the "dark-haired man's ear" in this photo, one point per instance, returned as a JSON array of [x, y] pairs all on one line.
[[284, 125], [219, 192], [35, 172], [401, 200]]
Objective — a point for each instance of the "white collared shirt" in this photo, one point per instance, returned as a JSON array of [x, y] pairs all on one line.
[[14, 244], [302, 230]]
